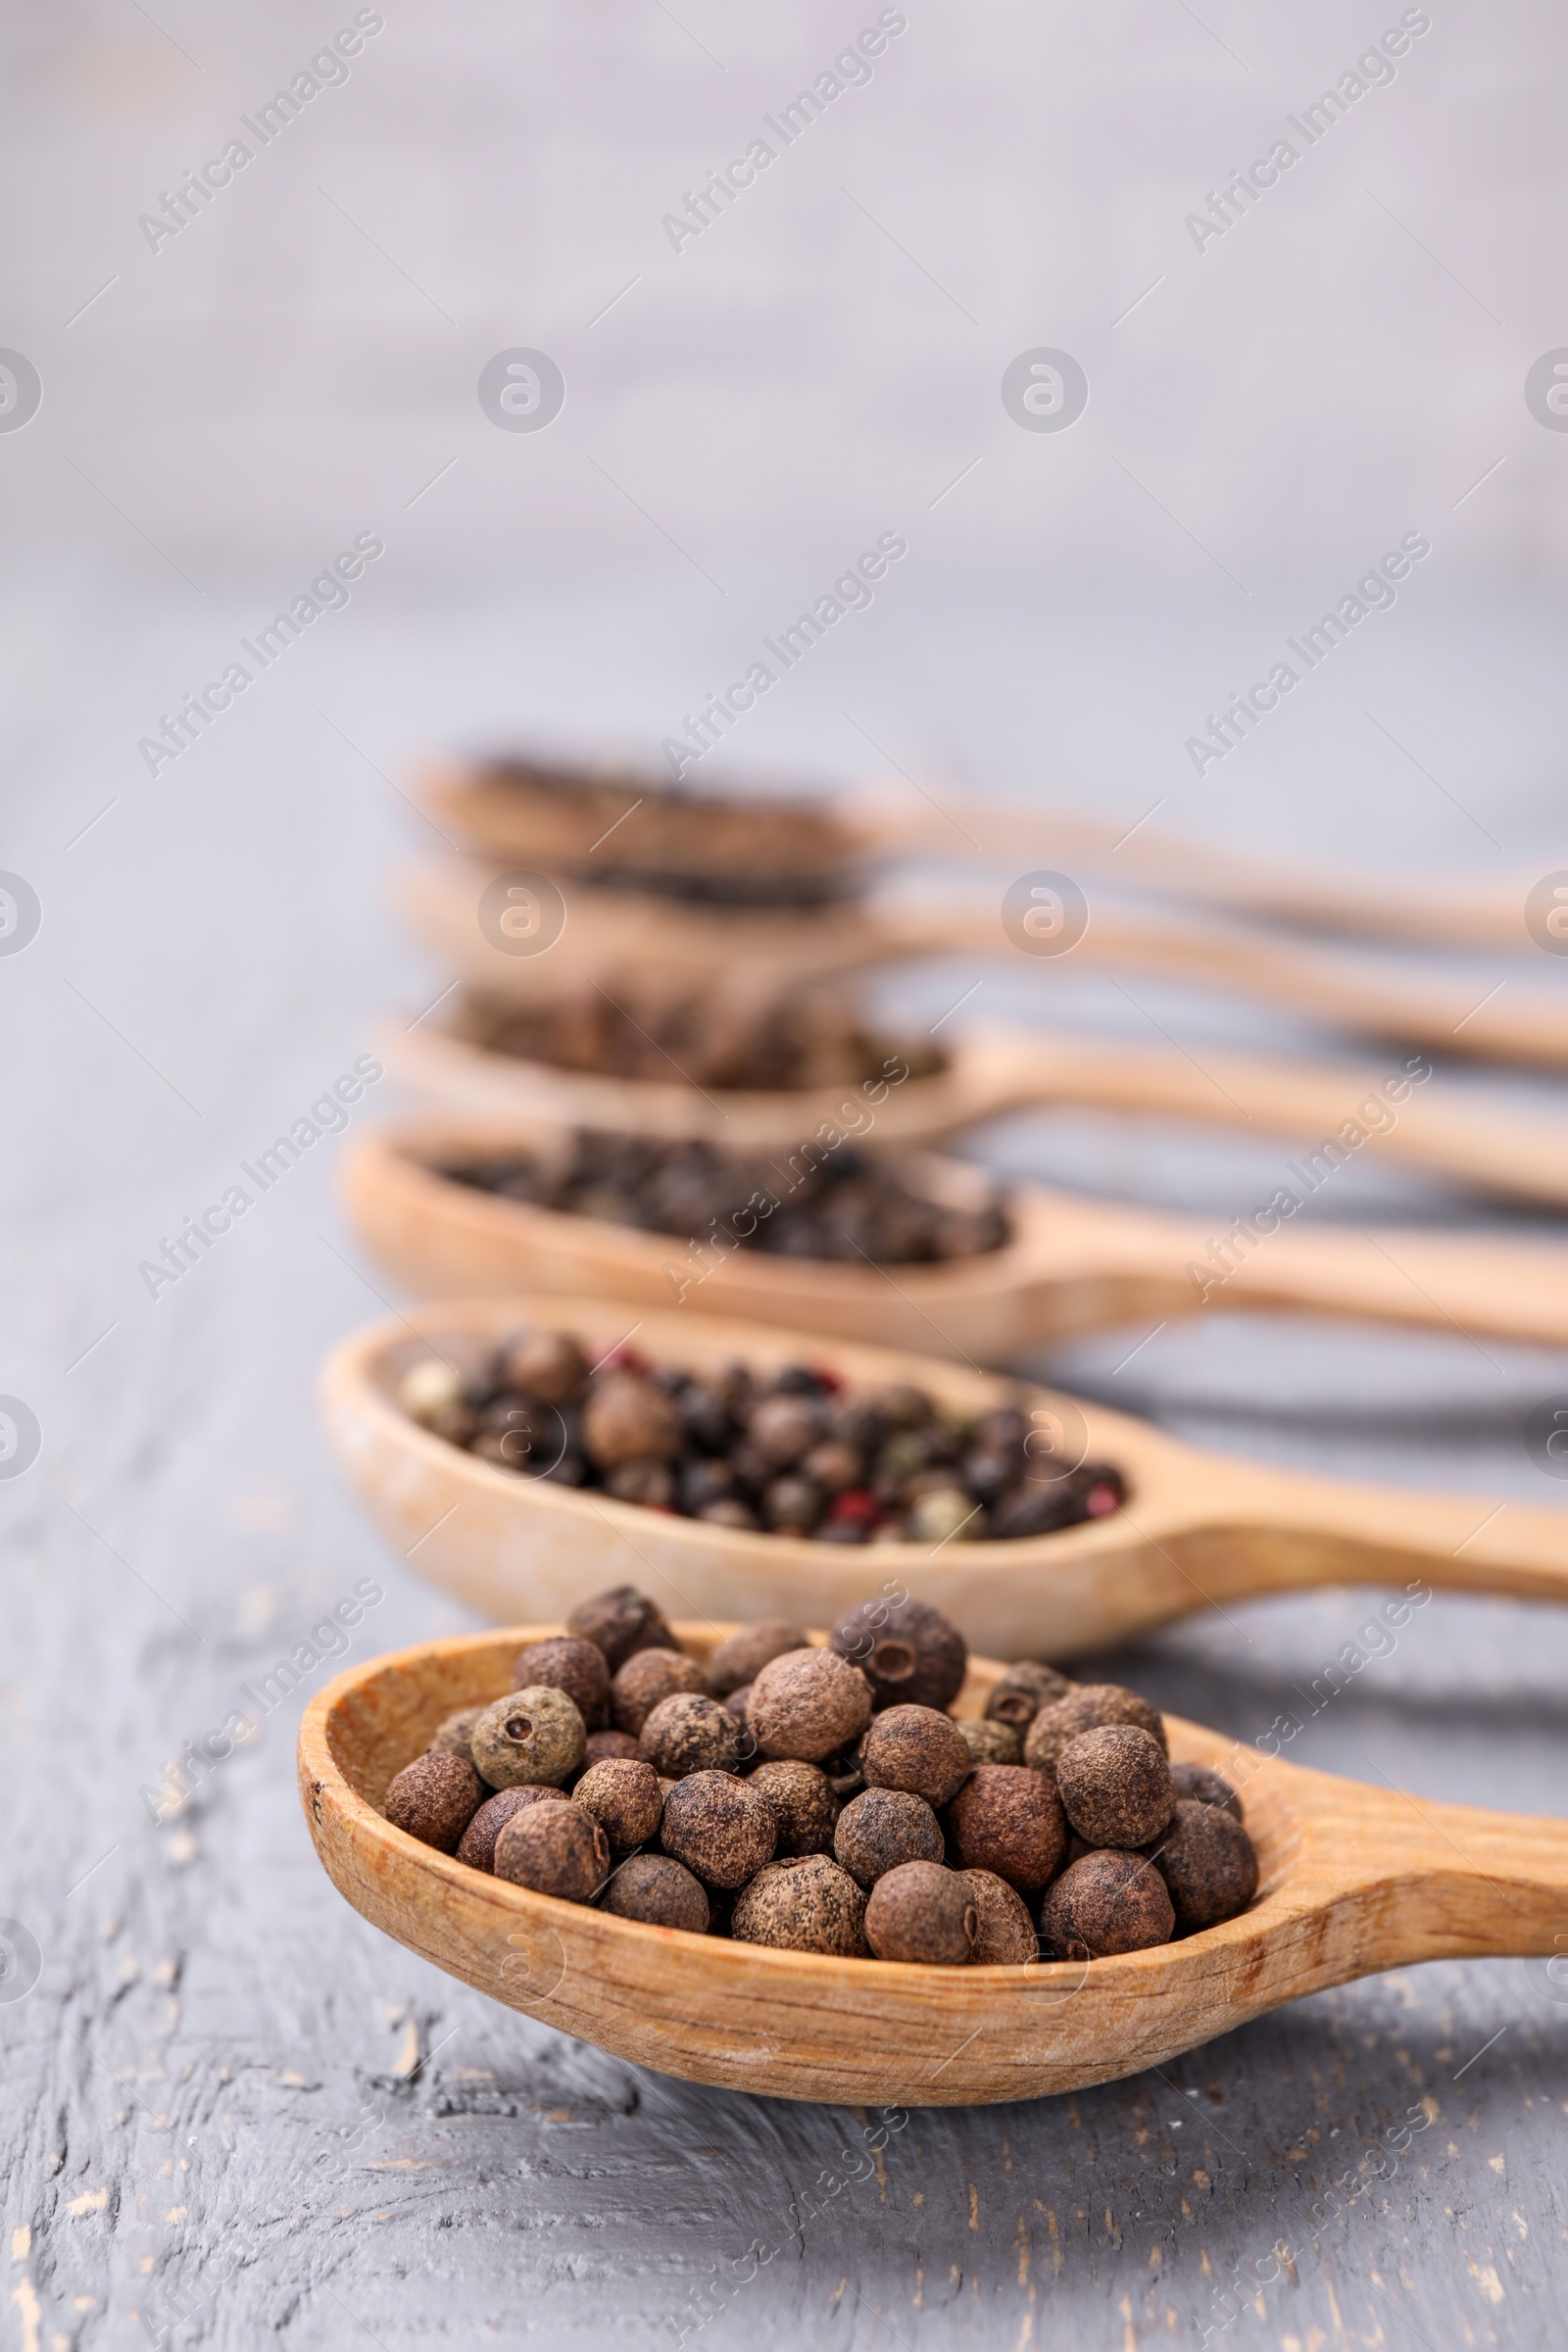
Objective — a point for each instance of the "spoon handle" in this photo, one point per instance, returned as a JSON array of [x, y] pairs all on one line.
[[1337, 1110], [1327, 986]]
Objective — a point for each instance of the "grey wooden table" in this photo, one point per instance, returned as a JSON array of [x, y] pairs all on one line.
[[233, 2111]]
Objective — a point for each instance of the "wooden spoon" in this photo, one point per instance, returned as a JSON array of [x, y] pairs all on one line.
[[1352, 1880], [1198, 1529], [992, 1072], [1443, 911], [613, 935], [1073, 1266]]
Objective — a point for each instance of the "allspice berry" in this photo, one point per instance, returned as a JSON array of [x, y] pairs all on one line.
[[808, 1704], [624, 1798], [1084, 1708], [738, 1658], [626, 1420], [688, 1732], [547, 1364], [648, 1675], [917, 1748], [1209, 1864], [571, 1664], [923, 1913], [1109, 1902], [721, 1827], [803, 1798], [1197, 1780], [909, 1652], [450, 1734], [599, 1746], [554, 1849], [533, 1734], [478, 1846], [989, 1742], [806, 1904], [881, 1830], [1115, 1786], [1008, 1820], [1018, 1696], [659, 1891], [434, 1798], [620, 1622], [1006, 1938]]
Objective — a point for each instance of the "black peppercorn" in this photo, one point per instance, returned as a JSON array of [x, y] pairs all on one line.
[[688, 1732], [1115, 1786], [554, 1849], [909, 1652], [1085, 1707], [803, 1798], [477, 1844], [721, 1827], [883, 1828], [1008, 1820], [921, 1912], [434, 1798], [659, 1891], [808, 1704], [570, 1664], [648, 1675], [1106, 1903], [805, 1904], [620, 1622], [917, 1748], [1209, 1864]]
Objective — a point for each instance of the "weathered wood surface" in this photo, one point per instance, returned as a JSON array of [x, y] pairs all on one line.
[[236, 2112]]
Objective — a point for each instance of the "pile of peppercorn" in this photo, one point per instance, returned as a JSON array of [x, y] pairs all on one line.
[[792, 1453], [824, 1800], [848, 1207], [709, 1038]]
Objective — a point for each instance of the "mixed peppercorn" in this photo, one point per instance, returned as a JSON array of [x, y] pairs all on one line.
[[793, 1453], [826, 1799]]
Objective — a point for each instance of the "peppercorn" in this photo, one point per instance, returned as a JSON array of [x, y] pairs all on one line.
[[803, 1904], [990, 1743], [1196, 1781], [1010, 1821], [1019, 1693], [783, 1428], [554, 1849], [547, 1364], [601, 1746], [450, 1734], [923, 1913], [720, 1827], [909, 1652], [477, 1844], [430, 1389], [622, 1622], [569, 1663], [941, 1514], [842, 1773], [1209, 1864], [1106, 1903], [833, 1465], [883, 1828], [728, 1511], [434, 1798], [648, 1675], [1085, 1708], [1006, 1937], [900, 1406], [735, 1659], [688, 1732], [1115, 1786], [623, 1796], [531, 1735], [703, 1482], [650, 1485], [738, 1701], [627, 1420], [917, 1748], [806, 1703], [659, 1891], [803, 1801], [791, 1505]]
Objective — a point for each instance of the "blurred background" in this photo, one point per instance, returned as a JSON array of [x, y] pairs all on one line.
[[203, 417]]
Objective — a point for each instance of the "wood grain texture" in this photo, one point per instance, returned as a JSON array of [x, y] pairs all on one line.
[[1348, 1883]]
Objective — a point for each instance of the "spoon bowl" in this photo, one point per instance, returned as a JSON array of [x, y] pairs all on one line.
[[1197, 1529], [1352, 1880]]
